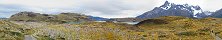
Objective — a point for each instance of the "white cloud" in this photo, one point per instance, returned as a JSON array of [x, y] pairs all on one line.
[[191, 2], [102, 8], [40, 3], [212, 5]]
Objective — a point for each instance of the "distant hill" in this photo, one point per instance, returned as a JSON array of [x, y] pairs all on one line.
[[62, 17], [3, 18], [126, 19], [28, 16]]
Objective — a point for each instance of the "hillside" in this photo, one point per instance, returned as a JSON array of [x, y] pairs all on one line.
[[28, 16], [37, 17], [84, 31], [10, 31], [175, 28], [217, 14], [126, 19], [162, 28]]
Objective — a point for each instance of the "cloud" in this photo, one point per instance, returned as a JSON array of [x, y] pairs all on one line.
[[8, 10], [101, 8], [117, 8], [40, 3], [212, 5]]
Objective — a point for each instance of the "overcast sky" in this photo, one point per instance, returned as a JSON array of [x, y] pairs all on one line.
[[101, 8]]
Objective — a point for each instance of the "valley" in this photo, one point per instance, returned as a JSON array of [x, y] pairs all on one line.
[[169, 21]]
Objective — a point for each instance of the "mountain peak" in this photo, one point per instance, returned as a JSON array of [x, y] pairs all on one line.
[[166, 2], [171, 9], [166, 5]]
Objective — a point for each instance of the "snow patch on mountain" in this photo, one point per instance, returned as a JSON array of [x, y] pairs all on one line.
[[166, 8], [166, 5], [208, 12], [195, 11]]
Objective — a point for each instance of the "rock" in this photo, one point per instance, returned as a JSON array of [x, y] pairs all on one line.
[[29, 37]]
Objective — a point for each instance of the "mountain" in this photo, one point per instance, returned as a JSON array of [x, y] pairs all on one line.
[[171, 9], [217, 14], [205, 14]]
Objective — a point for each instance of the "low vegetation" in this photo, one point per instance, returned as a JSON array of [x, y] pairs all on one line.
[[163, 28], [10, 31], [183, 28]]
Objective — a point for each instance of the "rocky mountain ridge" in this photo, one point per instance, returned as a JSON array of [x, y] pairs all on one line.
[[171, 9]]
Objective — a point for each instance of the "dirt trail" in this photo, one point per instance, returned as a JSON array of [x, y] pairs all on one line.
[[216, 37], [30, 25], [29, 37]]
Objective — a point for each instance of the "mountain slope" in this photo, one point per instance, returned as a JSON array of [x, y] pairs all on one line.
[[171, 9], [10, 31], [205, 14], [182, 28], [217, 14]]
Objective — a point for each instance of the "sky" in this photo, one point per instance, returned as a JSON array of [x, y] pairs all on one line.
[[100, 8]]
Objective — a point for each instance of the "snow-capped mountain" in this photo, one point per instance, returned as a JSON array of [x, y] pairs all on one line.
[[171, 9]]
